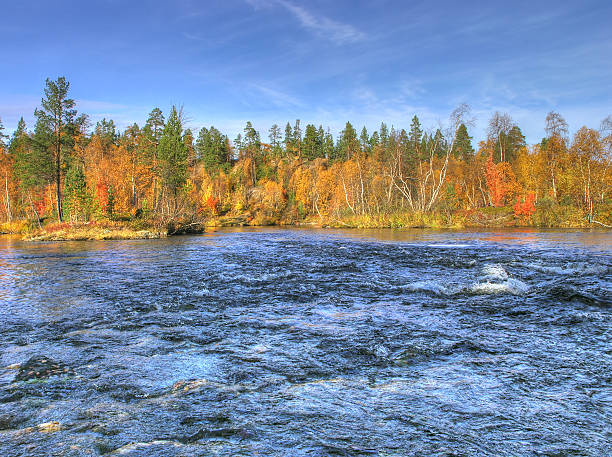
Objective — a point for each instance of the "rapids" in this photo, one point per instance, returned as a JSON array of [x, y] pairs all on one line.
[[295, 342]]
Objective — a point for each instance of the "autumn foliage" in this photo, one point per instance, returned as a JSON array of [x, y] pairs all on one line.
[[526, 207], [163, 173]]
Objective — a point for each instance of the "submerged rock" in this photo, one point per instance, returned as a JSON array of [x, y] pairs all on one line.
[[49, 427], [40, 368]]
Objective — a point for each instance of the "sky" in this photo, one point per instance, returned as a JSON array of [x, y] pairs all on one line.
[[321, 61]]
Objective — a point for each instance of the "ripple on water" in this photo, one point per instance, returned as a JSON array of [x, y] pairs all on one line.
[[281, 342]]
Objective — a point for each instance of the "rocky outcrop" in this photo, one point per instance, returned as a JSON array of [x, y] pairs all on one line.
[[39, 368]]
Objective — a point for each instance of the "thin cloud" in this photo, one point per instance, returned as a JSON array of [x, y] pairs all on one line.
[[277, 97], [318, 24], [97, 105]]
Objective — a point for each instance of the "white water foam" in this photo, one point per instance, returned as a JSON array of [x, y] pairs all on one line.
[[510, 286], [577, 269], [495, 272], [497, 281], [427, 286]]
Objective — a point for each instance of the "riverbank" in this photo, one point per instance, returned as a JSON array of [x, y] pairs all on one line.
[[92, 231], [129, 229]]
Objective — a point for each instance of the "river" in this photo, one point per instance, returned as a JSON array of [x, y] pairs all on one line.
[[304, 342]]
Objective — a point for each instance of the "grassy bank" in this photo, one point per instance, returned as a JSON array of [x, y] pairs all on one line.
[[562, 217], [134, 228], [105, 230]]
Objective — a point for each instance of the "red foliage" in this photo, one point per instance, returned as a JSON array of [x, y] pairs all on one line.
[[39, 206], [102, 194], [212, 203], [495, 183], [58, 227], [525, 208]]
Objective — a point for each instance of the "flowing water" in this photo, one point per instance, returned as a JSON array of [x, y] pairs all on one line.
[[308, 343]]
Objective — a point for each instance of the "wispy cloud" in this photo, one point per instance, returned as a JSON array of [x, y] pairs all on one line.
[[192, 36], [277, 97], [97, 105], [320, 25]]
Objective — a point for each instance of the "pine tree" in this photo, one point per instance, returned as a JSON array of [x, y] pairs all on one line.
[[3, 136], [252, 141], [252, 150], [59, 115], [415, 136], [348, 145], [156, 122], [374, 141], [212, 149], [188, 140], [275, 139], [409, 158], [131, 139], [515, 141], [462, 148], [297, 138], [153, 130], [288, 140], [439, 144], [6, 161], [77, 200], [364, 140], [321, 141], [311, 146], [238, 146], [34, 163], [384, 135], [20, 138], [173, 154], [107, 132], [328, 145]]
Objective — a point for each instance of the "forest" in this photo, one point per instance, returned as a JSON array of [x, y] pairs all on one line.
[[64, 170]]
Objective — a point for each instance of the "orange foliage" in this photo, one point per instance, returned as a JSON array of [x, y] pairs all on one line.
[[501, 181], [525, 208], [102, 195], [212, 204]]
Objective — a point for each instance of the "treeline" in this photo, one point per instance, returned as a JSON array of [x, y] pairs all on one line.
[[65, 170]]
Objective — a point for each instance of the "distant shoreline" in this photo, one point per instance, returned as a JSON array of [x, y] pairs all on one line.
[[102, 231]]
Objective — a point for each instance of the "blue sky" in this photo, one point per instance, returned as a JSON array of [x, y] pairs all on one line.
[[321, 61]]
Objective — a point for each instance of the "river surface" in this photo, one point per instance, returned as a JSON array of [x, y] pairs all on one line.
[[288, 342]]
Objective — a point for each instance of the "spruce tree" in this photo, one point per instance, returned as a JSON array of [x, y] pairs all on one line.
[[364, 140], [348, 144], [107, 132], [311, 146], [297, 138], [77, 200], [328, 145], [238, 146], [462, 148], [288, 140], [321, 142], [20, 137], [415, 136], [34, 162], [3, 136], [374, 140], [173, 154], [515, 141], [212, 150], [384, 134]]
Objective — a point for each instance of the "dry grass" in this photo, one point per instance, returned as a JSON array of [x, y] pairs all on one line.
[[91, 231], [15, 227]]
